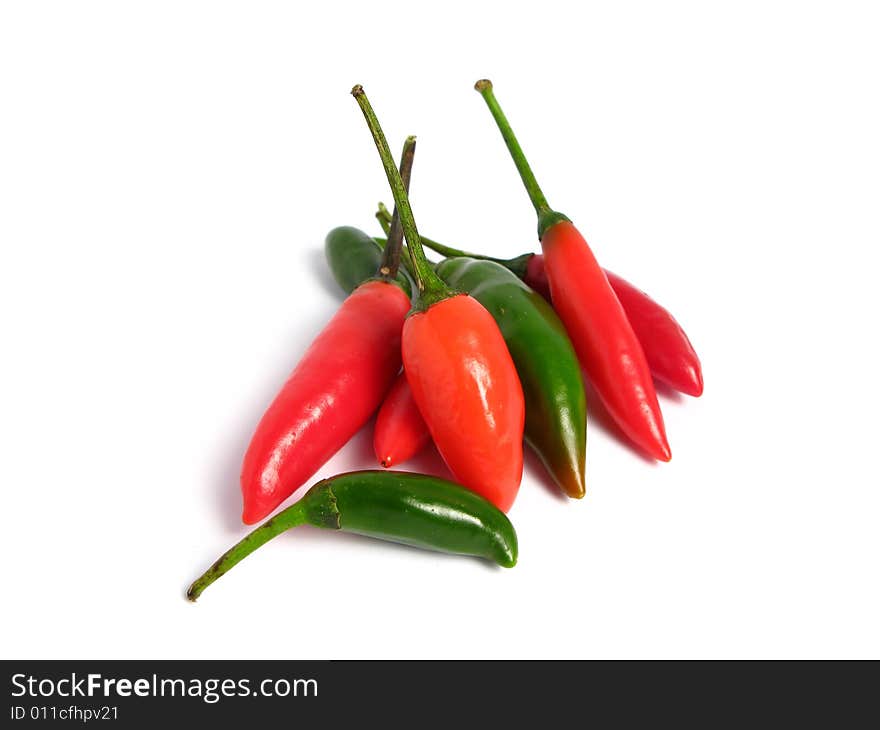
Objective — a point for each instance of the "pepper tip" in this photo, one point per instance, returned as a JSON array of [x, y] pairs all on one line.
[[571, 482], [697, 389], [483, 85], [357, 90], [249, 516]]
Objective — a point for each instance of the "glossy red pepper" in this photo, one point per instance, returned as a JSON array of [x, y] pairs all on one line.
[[467, 390], [604, 340], [331, 394], [670, 354], [400, 431], [334, 390], [458, 366]]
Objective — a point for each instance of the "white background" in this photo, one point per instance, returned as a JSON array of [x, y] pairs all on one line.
[[168, 171]]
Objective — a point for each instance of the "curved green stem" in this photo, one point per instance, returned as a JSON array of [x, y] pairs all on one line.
[[517, 265], [390, 261], [431, 288], [546, 215], [294, 515]]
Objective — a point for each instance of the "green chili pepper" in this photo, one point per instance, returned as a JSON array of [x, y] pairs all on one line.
[[354, 257], [556, 410], [413, 509]]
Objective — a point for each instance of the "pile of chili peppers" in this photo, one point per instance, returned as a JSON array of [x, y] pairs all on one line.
[[473, 353]]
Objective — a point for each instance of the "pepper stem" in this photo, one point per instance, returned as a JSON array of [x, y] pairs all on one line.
[[517, 265], [390, 261], [546, 215], [431, 288], [383, 242], [291, 517], [384, 218]]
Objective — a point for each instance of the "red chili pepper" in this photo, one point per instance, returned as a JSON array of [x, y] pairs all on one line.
[[603, 337], [400, 431], [467, 390], [457, 364], [334, 390], [669, 352], [670, 355]]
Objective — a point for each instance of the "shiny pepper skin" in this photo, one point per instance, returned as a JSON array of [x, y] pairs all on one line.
[[670, 355], [332, 393], [467, 389], [669, 352], [603, 338], [400, 431], [354, 257], [548, 368]]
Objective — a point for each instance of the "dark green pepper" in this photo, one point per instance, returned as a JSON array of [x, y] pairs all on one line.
[[354, 257], [413, 509], [556, 410]]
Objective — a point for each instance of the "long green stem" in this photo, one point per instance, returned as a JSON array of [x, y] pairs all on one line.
[[546, 215], [431, 288], [517, 265], [390, 261], [291, 517]]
